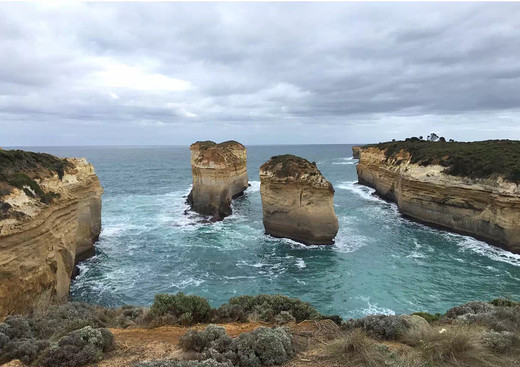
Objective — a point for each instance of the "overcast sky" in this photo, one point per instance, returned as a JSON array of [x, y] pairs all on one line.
[[174, 73]]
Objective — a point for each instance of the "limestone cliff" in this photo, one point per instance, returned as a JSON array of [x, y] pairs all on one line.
[[50, 217], [486, 208], [219, 175], [355, 151], [297, 201]]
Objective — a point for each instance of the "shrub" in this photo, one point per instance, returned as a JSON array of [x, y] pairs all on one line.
[[267, 307], [428, 316], [503, 302], [79, 348], [190, 309], [26, 350], [212, 337], [173, 363], [357, 349], [384, 327], [499, 319], [501, 341], [473, 307]]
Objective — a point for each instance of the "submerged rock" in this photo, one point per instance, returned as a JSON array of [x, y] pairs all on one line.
[[219, 175], [297, 201]]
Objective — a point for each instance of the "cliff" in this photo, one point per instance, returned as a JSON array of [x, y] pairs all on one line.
[[355, 151], [219, 175], [434, 190], [297, 201], [50, 216]]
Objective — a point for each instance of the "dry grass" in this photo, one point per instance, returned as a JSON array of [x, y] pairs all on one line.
[[450, 345], [357, 349]]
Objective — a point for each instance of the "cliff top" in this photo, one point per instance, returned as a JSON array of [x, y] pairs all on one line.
[[289, 167], [223, 153], [481, 159]]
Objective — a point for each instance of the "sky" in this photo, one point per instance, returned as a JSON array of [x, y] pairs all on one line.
[[259, 73]]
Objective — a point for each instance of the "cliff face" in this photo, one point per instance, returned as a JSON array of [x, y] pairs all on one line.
[[297, 201], [355, 151], [219, 174], [47, 224], [488, 209]]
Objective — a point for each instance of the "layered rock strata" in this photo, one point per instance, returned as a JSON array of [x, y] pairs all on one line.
[[488, 209], [355, 151], [297, 201], [219, 175], [50, 218]]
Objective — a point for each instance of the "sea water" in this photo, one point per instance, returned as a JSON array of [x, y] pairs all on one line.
[[380, 263]]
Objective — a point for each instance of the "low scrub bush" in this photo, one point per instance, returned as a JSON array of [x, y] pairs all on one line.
[[383, 327], [474, 307], [173, 363], [428, 316], [186, 309], [504, 302], [266, 308]]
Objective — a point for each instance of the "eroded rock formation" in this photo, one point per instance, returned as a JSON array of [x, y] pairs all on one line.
[[50, 217], [355, 151], [219, 175], [488, 209], [297, 201]]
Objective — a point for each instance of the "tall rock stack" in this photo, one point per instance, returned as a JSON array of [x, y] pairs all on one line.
[[297, 201], [50, 217], [219, 175], [356, 150]]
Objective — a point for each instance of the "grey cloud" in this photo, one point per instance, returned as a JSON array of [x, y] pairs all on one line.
[[333, 70]]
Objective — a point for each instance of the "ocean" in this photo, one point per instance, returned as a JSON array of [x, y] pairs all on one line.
[[380, 263]]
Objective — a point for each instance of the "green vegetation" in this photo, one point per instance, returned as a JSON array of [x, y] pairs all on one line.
[[428, 316], [19, 168], [290, 166], [504, 302], [181, 308], [481, 159]]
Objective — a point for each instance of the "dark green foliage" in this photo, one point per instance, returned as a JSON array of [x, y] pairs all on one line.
[[267, 307], [26, 349], [260, 347], [188, 309], [503, 302], [384, 327], [22, 181], [290, 166], [428, 316], [482, 159]]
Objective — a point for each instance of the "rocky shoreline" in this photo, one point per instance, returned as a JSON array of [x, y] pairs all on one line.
[[50, 218], [485, 208]]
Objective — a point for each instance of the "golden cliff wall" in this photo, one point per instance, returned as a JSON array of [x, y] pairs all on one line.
[[219, 174], [486, 209], [297, 201], [38, 251]]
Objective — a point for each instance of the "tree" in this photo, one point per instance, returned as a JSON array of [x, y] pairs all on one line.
[[443, 139], [432, 137], [452, 141], [421, 137]]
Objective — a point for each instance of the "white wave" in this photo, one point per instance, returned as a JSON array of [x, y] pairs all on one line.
[[186, 282], [349, 160], [482, 248], [375, 309], [300, 263], [364, 192], [255, 187]]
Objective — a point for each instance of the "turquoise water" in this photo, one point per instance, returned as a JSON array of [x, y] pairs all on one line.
[[381, 262]]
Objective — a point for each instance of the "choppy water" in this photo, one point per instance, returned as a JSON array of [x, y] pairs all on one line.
[[381, 263]]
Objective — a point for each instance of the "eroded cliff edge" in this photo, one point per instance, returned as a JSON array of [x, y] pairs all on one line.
[[219, 174], [456, 187], [50, 217], [297, 201]]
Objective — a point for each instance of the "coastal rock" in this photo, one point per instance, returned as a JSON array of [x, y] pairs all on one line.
[[356, 149], [297, 201], [488, 209], [219, 175], [50, 221]]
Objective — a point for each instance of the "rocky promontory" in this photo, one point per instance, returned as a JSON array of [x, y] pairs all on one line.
[[469, 188], [355, 151], [50, 217], [219, 175], [297, 201]]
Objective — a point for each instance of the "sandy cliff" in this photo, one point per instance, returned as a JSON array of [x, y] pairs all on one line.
[[488, 209], [219, 174], [47, 224], [297, 201]]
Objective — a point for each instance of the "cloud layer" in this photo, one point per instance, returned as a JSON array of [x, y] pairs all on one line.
[[172, 73]]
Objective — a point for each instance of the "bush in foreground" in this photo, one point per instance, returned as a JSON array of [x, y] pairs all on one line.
[[180, 308]]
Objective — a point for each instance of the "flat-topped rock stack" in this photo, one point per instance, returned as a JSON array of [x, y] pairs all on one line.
[[356, 149], [50, 217], [297, 201], [219, 175]]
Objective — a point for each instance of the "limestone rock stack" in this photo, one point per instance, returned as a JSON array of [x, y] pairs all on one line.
[[219, 175], [297, 201], [50, 217], [355, 151]]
